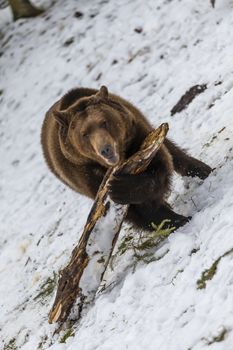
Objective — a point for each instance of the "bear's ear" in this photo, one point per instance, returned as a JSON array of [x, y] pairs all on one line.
[[62, 117], [103, 93]]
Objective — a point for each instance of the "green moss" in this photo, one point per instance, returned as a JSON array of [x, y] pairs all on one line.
[[209, 273], [218, 338], [125, 245], [10, 345], [143, 245], [146, 257], [47, 287], [69, 333]]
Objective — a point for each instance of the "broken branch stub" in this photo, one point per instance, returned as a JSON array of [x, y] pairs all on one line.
[[83, 274]]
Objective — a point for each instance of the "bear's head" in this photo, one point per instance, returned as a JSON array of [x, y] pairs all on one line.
[[98, 127]]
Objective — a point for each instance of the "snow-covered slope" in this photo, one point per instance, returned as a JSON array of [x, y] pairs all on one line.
[[177, 44]]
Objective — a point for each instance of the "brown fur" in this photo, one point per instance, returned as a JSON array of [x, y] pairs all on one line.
[[87, 131]]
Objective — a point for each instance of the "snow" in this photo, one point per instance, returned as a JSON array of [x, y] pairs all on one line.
[[99, 246], [183, 43]]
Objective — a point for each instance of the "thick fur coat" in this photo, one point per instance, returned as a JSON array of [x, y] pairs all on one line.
[[87, 131]]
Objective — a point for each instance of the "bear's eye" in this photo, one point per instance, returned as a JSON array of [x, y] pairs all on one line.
[[104, 124], [85, 135]]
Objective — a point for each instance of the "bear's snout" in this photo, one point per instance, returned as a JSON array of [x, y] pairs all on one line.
[[109, 154], [107, 151]]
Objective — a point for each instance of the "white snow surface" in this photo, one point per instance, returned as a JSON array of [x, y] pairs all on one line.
[[99, 246], [158, 306]]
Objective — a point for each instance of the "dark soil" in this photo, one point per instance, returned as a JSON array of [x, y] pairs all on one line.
[[187, 98]]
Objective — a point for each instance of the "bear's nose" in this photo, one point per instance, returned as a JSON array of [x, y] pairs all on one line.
[[107, 151]]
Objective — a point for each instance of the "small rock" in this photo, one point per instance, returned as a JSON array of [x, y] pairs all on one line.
[[78, 14], [138, 30], [93, 15], [69, 41]]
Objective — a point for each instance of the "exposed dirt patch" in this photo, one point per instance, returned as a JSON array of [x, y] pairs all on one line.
[[187, 98]]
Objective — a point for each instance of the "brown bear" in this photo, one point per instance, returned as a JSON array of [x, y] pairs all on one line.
[[87, 131]]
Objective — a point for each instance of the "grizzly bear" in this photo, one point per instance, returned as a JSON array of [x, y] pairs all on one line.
[[87, 131]]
